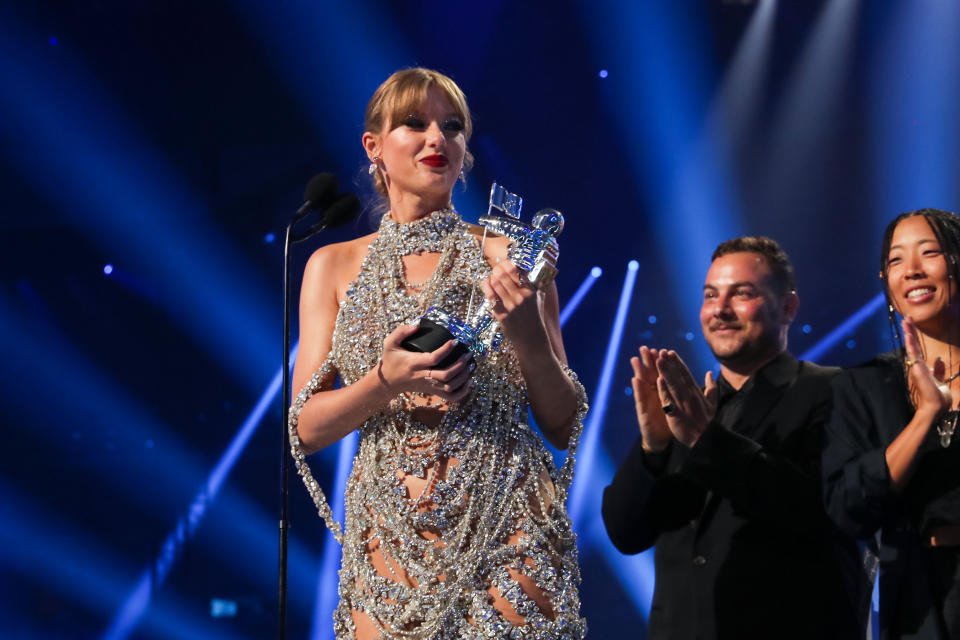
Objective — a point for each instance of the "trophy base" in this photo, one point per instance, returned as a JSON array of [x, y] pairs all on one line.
[[430, 336]]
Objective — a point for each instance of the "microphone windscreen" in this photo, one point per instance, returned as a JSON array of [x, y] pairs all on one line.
[[342, 211], [321, 190]]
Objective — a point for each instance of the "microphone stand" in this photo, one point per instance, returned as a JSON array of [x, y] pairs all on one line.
[[289, 238]]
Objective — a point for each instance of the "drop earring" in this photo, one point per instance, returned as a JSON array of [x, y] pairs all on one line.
[[372, 169]]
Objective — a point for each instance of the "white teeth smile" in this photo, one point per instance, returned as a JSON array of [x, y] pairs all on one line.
[[916, 293]]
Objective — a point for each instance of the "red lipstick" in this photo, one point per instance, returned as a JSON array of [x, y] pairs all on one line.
[[435, 160]]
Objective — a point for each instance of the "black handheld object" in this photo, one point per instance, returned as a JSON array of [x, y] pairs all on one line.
[[430, 336]]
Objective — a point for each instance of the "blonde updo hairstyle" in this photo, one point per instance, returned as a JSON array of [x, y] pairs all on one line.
[[402, 94]]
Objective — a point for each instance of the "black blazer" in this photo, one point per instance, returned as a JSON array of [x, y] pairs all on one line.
[[743, 546], [871, 408]]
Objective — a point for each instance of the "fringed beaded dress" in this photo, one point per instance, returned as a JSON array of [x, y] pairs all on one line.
[[459, 530]]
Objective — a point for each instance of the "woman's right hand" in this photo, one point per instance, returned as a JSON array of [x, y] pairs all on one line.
[[930, 394], [402, 371]]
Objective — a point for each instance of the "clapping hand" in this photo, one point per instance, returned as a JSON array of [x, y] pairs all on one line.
[[931, 395], [654, 433], [687, 407]]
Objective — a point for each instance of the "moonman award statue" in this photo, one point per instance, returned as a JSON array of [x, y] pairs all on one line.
[[533, 250]]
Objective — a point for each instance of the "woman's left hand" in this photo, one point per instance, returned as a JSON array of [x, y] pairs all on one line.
[[516, 305]]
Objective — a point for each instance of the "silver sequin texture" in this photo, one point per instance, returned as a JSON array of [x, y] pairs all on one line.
[[493, 489]]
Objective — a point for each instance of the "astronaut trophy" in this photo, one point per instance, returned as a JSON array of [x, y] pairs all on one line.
[[533, 249]]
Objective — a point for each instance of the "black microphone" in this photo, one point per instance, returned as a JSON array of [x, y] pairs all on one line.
[[320, 192], [343, 210]]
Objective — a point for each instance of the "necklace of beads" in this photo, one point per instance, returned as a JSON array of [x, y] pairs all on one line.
[[433, 234], [948, 424]]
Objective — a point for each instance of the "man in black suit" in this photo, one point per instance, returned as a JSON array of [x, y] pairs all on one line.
[[724, 479]]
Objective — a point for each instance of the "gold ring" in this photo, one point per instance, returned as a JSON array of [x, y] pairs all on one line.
[[909, 363]]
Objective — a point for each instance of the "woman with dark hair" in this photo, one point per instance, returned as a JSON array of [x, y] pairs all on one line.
[[456, 525], [892, 456]]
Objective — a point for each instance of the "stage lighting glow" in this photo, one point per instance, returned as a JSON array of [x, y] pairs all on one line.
[[737, 102], [603, 73], [41, 546], [851, 343], [222, 608], [106, 170], [915, 87], [812, 99], [270, 237], [578, 296], [34, 343], [590, 447], [652, 319], [284, 27], [845, 329], [688, 336], [628, 391], [680, 173], [108, 269], [52, 41], [154, 576], [636, 572], [806, 328]]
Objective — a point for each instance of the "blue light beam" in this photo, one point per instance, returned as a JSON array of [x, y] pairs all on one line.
[[579, 295], [588, 450], [337, 92], [812, 101], [31, 344], [845, 328], [682, 175], [737, 102], [915, 97], [38, 545], [129, 201], [138, 601]]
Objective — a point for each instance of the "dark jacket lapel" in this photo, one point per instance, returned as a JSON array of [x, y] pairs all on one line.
[[769, 385]]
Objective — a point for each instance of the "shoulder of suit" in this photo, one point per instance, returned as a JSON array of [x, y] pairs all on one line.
[[882, 367], [813, 369]]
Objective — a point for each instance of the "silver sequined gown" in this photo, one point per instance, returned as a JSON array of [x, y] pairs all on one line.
[[486, 505]]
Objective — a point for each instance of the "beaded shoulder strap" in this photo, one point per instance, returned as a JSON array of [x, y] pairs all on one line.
[[300, 458]]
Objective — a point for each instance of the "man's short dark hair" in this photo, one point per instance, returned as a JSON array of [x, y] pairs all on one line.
[[776, 258]]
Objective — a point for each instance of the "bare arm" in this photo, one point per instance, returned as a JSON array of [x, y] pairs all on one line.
[[333, 413], [932, 400], [531, 320]]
